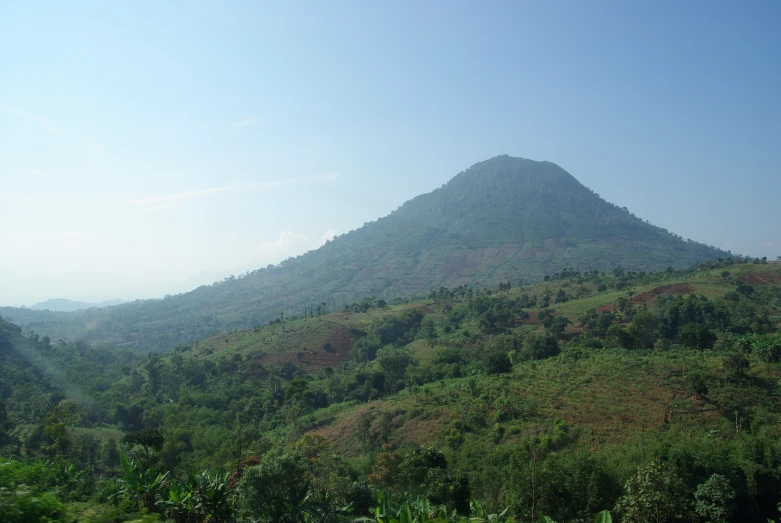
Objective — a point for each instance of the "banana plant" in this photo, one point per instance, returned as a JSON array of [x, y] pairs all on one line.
[[202, 498], [478, 513], [602, 517], [142, 485], [420, 510]]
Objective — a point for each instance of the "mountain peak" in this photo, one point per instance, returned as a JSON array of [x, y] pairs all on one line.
[[501, 219]]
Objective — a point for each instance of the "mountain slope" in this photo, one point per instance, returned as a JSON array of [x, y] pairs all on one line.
[[502, 219], [66, 305]]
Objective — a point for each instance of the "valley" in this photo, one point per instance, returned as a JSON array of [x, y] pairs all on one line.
[[501, 394]]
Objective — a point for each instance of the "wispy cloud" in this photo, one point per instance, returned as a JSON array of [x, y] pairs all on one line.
[[167, 200], [247, 122], [52, 126]]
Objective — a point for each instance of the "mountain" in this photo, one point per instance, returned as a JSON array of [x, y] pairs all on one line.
[[502, 219], [66, 305]]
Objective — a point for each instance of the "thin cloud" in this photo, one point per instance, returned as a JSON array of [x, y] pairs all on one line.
[[248, 122], [52, 126], [30, 116], [159, 201]]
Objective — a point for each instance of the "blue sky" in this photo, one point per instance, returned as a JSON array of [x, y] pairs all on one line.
[[147, 147]]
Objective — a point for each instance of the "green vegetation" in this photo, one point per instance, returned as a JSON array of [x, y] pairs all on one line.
[[653, 395], [501, 219]]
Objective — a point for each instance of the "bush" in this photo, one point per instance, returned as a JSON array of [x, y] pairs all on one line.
[[23, 505], [23, 497]]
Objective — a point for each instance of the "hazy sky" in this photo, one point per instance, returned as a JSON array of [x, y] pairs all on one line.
[[147, 147]]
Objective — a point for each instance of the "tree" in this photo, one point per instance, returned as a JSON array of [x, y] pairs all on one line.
[[542, 347], [714, 499], [604, 321], [655, 493], [385, 471], [58, 424], [617, 336], [556, 324], [278, 490], [449, 488], [5, 424], [416, 465], [644, 329], [394, 362], [499, 363], [696, 336], [735, 364]]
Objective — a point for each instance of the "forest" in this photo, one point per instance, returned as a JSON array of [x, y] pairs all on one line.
[[586, 396]]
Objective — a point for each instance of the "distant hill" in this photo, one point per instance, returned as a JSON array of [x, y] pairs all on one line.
[[66, 305], [501, 219]]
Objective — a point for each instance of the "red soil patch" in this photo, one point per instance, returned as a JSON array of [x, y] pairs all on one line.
[[648, 296], [761, 278], [675, 288]]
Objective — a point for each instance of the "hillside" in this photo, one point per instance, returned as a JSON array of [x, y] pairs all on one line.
[[36, 373], [66, 305], [501, 219], [578, 381]]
